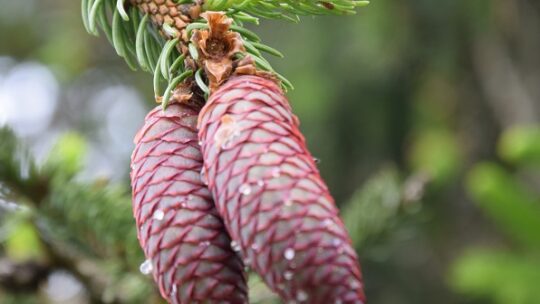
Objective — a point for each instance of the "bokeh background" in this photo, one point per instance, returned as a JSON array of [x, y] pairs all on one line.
[[424, 115]]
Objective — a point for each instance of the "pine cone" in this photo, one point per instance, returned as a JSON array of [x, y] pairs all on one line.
[[274, 203], [168, 11], [182, 235]]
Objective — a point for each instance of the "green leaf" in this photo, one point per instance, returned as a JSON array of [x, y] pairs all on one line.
[[152, 50], [193, 51], [23, 243], [92, 17], [521, 145], [119, 42], [164, 62], [84, 13], [177, 65], [121, 10], [246, 33], [172, 86], [506, 201], [195, 26], [18, 170], [503, 277], [104, 23], [267, 49], [68, 154], [436, 152], [139, 41], [200, 82], [279, 9]]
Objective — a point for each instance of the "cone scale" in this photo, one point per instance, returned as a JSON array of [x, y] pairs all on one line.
[[182, 235], [267, 188]]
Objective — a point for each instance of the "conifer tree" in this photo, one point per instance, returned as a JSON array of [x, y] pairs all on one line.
[[274, 205]]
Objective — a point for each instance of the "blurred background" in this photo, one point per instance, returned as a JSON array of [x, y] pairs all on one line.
[[425, 116]]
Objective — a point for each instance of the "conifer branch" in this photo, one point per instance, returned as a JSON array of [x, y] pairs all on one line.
[[285, 9], [156, 35], [73, 220]]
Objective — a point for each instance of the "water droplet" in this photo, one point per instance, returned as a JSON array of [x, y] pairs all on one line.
[[146, 267], [245, 189], [205, 244], [288, 275], [317, 160], [288, 202], [235, 246], [354, 284], [289, 254], [204, 177], [328, 223], [336, 242], [228, 130], [226, 144], [301, 296], [158, 215], [256, 247], [276, 172], [260, 183], [200, 142], [174, 290]]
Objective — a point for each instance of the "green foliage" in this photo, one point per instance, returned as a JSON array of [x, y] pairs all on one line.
[[501, 196], [286, 9], [71, 221], [501, 276], [138, 41], [68, 154], [505, 277], [259, 293], [436, 152], [22, 243], [373, 207], [18, 299], [521, 145], [17, 170]]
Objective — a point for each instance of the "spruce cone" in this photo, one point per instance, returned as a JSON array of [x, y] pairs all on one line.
[[168, 11], [182, 235], [274, 203]]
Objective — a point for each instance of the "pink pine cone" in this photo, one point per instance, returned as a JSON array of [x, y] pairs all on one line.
[[274, 203], [183, 237]]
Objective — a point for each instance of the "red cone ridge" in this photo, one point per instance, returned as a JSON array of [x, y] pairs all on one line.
[[182, 235], [274, 203]]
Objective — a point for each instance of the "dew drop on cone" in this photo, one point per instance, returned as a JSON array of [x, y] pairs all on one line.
[[146, 267]]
